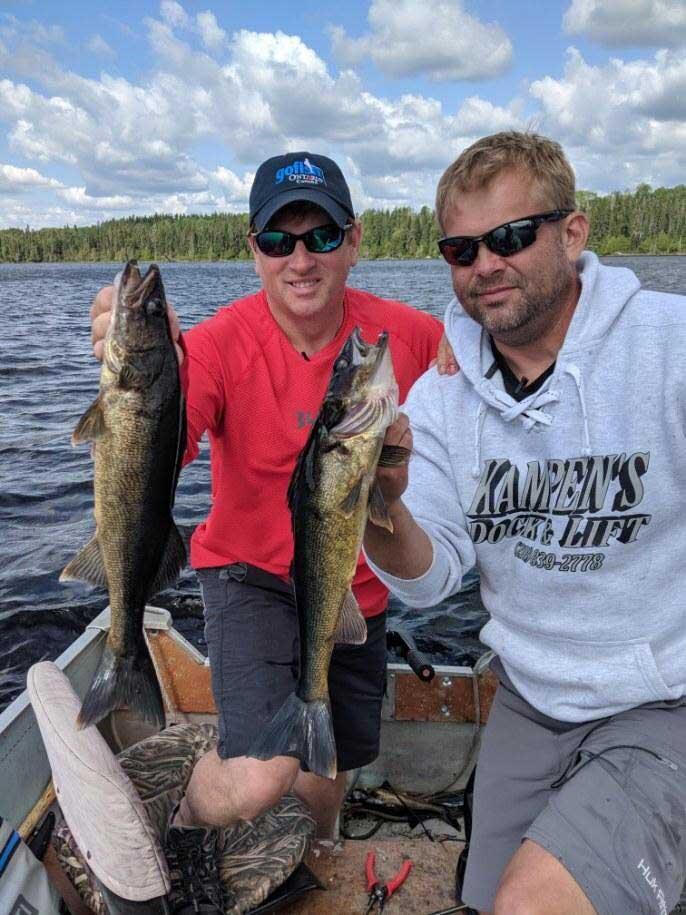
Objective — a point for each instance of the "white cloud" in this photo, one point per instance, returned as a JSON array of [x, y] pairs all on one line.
[[13, 28], [622, 120], [78, 197], [174, 14], [13, 179], [440, 40], [213, 37], [99, 47], [238, 188], [656, 23]]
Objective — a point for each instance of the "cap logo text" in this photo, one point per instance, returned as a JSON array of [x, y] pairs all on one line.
[[301, 173]]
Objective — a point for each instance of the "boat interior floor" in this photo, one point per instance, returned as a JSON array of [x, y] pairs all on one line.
[[430, 886]]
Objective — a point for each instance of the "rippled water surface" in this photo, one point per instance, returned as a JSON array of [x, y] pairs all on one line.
[[48, 377]]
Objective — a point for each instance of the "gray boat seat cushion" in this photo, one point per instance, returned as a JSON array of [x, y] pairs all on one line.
[[256, 857], [104, 813]]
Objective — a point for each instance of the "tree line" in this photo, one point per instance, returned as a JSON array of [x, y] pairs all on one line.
[[645, 221]]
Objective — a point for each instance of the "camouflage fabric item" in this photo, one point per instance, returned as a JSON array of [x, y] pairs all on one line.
[[255, 857]]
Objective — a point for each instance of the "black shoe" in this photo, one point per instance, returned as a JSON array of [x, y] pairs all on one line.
[[191, 854]]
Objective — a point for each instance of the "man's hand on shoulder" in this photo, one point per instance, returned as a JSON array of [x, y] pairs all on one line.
[[101, 315], [445, 360]]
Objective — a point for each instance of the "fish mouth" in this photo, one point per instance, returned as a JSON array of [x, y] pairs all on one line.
[[361, 351], [375, 357], [376, 401], [137, 292]]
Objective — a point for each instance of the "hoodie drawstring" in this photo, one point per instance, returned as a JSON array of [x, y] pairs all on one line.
[[478, 426], [529, 410], [573, 370]]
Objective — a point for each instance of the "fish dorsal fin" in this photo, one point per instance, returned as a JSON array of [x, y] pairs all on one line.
[[305, 473], [352, 626], [350, 502], [378, 513], [87, 566], [173, 561], [91, 425]]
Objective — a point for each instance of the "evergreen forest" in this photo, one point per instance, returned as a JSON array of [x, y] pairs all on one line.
[[645, 221]]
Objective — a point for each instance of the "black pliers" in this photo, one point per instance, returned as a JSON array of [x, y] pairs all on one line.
[[380, 892]]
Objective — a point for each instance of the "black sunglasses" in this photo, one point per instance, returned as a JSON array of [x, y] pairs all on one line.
[[505, 240], [320, 240]]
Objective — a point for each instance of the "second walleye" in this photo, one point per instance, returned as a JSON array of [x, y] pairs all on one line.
[[331, 495]]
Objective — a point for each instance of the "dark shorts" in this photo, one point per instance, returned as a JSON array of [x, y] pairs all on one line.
[[251, 631], [607, 798]]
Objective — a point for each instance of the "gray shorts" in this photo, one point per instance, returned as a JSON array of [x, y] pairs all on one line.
[[251, 631], [607, 798]]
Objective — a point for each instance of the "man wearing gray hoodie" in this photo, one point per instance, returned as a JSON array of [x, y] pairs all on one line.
[[554, 462]]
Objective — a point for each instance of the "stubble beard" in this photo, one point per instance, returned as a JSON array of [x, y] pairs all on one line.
[[531, 314]]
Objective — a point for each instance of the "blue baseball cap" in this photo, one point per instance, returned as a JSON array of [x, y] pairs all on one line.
[[299, 176]]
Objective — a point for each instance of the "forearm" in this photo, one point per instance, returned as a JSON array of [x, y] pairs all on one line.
[[405, 553]]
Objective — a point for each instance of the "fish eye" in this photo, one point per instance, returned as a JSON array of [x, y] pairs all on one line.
[[154, 307], [341, 364]]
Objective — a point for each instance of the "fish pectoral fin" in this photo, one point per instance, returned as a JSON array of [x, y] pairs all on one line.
[[349, 504], [378, 513], [173, 561], [87, 566], [393, 455], [133, 377], [352, 626], [91, 425]]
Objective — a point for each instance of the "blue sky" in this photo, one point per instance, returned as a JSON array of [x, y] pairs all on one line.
[[140, 107]]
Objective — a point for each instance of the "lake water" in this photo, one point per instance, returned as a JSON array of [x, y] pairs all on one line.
[[48, 377]]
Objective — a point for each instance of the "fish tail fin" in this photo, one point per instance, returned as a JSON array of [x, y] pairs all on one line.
[[304, 729], [123, 681]]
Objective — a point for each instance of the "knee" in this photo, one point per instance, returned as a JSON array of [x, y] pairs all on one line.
[[224, 791], [513, 898], [262, 785]]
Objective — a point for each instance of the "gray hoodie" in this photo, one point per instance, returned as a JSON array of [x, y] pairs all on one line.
[[570, 503]]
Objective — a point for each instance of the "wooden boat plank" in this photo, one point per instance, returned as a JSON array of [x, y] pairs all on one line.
[[446, 698], [185, 682]]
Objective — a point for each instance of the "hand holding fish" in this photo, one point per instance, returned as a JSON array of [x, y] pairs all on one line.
[[392, 475], [101, 314], [405, 550]]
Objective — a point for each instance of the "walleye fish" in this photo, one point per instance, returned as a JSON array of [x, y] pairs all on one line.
[[137, 425], [331, 495]]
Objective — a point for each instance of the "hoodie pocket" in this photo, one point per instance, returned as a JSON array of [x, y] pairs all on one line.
[[575, 680]]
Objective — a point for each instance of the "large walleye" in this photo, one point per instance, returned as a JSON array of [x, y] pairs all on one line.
[[137, 425], [331, 495]]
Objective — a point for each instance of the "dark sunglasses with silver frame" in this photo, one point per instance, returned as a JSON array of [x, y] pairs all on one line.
[[320, 240], [504, 240]]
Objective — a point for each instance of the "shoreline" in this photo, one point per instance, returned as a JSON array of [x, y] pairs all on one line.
[[247, 260]]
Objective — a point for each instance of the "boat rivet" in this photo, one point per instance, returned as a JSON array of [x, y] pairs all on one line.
[[447, 681], [445, 711]]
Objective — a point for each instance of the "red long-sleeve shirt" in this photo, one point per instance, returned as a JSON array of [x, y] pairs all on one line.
[[257, 397]]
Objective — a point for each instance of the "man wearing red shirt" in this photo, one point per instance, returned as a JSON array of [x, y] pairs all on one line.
[[255, 376]]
